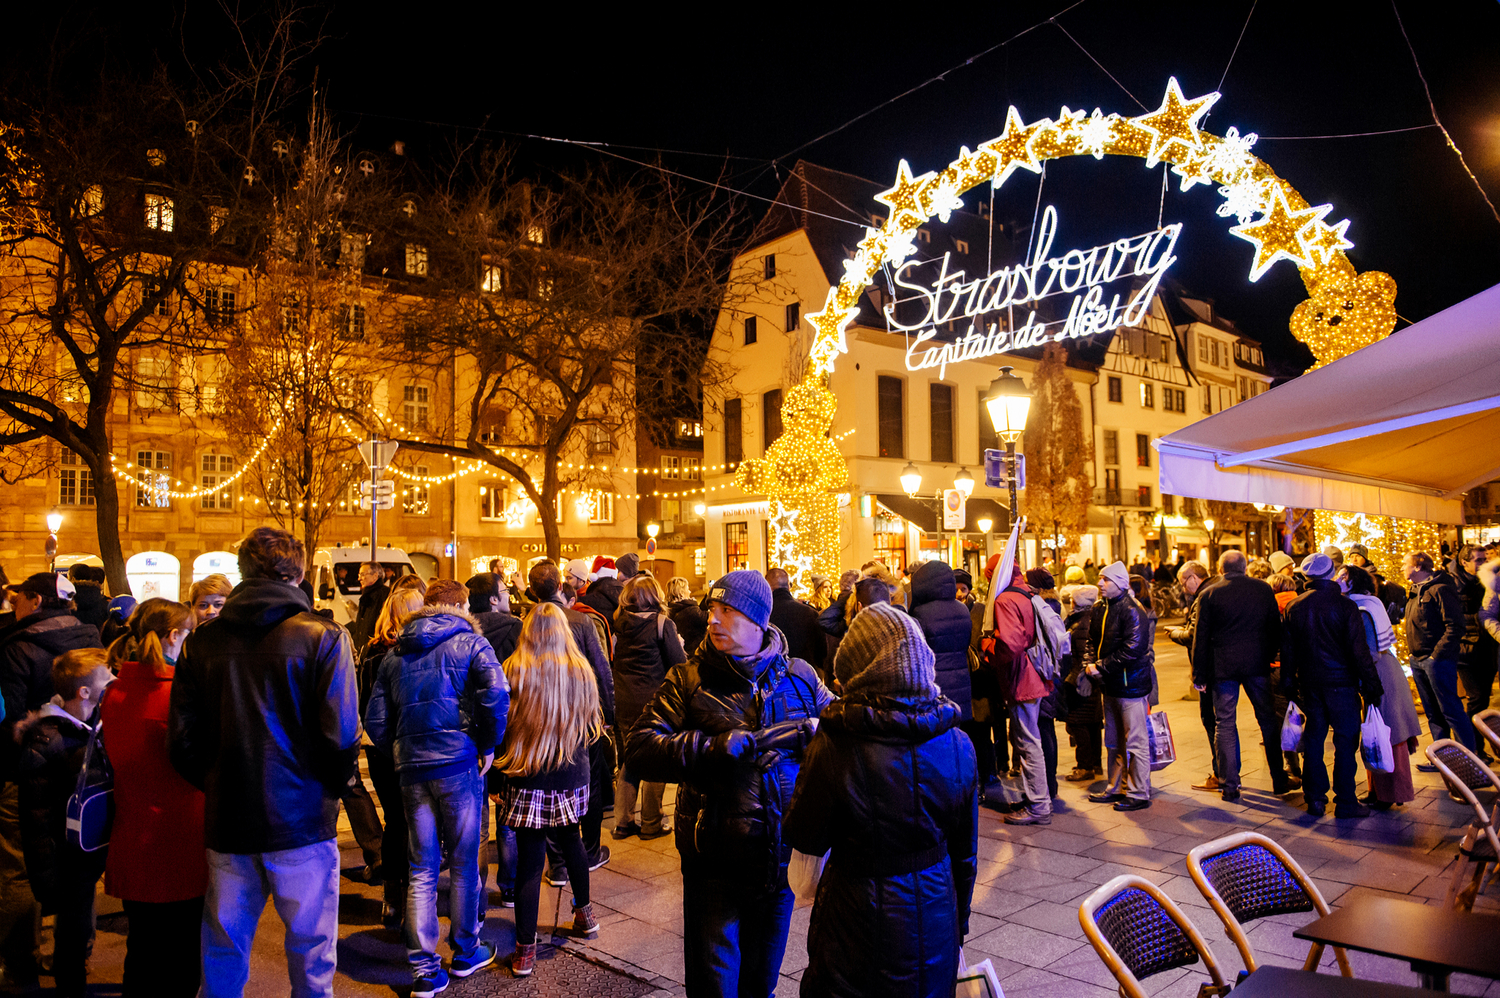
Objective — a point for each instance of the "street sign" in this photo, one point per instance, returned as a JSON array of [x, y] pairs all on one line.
[[994, 469], [385, 487], [651, 546], [953, 509], [377, 502], [378, 453]]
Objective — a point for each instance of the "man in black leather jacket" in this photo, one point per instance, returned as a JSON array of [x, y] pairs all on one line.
[[1120, 653], [729, 726], [1325, 667], [265, 719]]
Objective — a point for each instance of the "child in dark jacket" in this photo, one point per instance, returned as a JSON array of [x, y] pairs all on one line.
[[53, 741]]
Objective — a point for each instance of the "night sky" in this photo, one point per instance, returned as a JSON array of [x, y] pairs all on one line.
[[765, 81]]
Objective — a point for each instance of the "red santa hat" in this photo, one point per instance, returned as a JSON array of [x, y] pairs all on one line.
[[604, 568]]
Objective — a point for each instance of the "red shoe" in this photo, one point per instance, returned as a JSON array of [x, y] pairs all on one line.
[[523, 960]]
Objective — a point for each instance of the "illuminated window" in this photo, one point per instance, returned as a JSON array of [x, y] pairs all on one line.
[[736, 546], [671, 467], [216, 219], [414, 406], [75, 482], [1143, 496], [1116, 389], [749, 330], [492, 279], [1111, 446], [890, 542], [153, 383], [601, 507], [414, 496], [700, 561], [416, 260], [689, 429], [492, 501], [963, 245], [159, 212], [215, 470], [600, 440], [351, 322], [92, 202], [692, 469], [1148, 395], [151, 473]]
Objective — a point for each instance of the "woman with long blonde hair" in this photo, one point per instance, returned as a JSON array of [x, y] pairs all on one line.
[[554, 716], [394, 867]]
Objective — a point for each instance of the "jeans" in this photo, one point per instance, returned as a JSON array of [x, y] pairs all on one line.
[[161, 949], [531, 852], [734, 937], [1129, 746], [1336, 708], [1478, 674], [1437, 685], [303, 884], [1026, 750], [1226, 701], [442, 813], [1211, 726], [1047, 728]]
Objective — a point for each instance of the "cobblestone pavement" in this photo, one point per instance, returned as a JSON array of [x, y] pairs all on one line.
[[1025, 919]]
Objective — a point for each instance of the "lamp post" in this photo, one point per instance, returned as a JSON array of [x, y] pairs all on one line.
[[911, 481], [652, 529], [54, 524], [1009, 404], [1213, 546]]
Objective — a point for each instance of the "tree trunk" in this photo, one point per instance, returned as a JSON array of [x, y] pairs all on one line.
[[548, 513], [107, 517]]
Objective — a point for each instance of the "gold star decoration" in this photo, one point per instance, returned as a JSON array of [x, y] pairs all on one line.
[[1013, 148], [1175, 123], [1276, 235], [903, 197], [1193, 170], [830, 324], [1324, 240]]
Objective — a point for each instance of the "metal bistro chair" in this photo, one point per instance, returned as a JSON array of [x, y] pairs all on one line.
[[1138, 931], [1248, 876], [1465, 774], [1486, 722]]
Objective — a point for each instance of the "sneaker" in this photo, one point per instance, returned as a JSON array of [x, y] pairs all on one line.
[[507, 897], [626, 831], [646, 836], [1028, 817], [1080, 776], [584, 923], [463, 966], [522, 960], [599, 860], [1212, 783], [426, 987], [557, 876]]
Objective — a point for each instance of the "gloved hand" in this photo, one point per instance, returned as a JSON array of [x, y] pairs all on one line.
[[787, 736], [732, 746]]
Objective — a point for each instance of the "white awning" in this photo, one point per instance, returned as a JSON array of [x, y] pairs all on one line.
[[1401, 428]]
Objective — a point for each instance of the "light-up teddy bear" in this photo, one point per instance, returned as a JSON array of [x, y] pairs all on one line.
[[1346, 312], [800, 475]]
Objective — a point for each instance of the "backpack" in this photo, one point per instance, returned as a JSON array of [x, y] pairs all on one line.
[[1052, 647]]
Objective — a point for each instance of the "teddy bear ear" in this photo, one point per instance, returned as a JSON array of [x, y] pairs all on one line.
[[1380, 283]]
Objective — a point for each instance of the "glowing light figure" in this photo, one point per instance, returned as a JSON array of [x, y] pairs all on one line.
[[1244, 199], [1095, 133], [1175, 123], [1193, 170], [1013, 149], [1325, 240], [1276, 235], [1230, 159]]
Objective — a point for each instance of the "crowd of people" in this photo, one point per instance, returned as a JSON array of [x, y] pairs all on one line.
[[500, 718]]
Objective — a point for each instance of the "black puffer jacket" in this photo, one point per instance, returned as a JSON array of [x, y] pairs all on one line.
[[799, 623], [1477, 646], [1323, 643], [440, 699], [90, 605], [691, 621], [947, 626], [52, 749], [603, 595], [501, 630], [729, 813], [646, 646], [1121, 632], [889, 786], [1435, 619], [265, 720], [27, 648]]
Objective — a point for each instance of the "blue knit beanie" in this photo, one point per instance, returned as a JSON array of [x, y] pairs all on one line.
[[746, 591]]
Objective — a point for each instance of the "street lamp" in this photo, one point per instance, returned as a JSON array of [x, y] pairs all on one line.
[[652, 529], [964, 482], [911, 479], [700, 508], [54, 524], [1009, 404], [984, 524]]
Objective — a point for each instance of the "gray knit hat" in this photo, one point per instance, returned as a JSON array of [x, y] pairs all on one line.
[[885, 653]]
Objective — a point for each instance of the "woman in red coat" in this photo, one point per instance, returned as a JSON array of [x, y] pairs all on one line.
[[157, 865]]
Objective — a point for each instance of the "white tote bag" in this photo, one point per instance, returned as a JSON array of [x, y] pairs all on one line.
[[1375, 743], [978, 980], [1291, 729], [803, 873]]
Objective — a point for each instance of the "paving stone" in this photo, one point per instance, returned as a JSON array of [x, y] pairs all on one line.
[[1023, 944]]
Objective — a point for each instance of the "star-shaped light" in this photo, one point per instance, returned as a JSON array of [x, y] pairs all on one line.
[[1324, 240], [1276, 235], [831, 324], [1193, 170], [1069, 125], [1013, 148], [903, 197], [822, 354], [1175, 123]]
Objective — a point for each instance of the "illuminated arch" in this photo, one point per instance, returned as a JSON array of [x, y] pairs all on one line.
[[1344, 310]]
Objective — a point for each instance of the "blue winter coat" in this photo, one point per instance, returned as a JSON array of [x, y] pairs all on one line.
[[440, 699], [946, 625], [889, 788]]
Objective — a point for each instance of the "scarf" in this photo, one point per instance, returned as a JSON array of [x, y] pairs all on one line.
[[1385, 635]]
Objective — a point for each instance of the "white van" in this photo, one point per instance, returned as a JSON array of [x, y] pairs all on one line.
[[335, 576]]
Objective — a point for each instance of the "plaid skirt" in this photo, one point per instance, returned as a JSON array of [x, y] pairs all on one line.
[[523, 808]]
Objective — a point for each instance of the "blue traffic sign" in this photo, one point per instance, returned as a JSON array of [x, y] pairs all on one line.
[[994, 469]]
